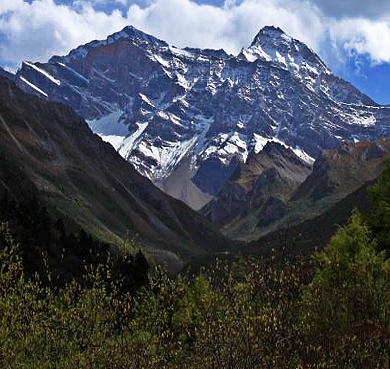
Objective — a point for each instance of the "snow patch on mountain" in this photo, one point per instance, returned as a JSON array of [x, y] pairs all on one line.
[[78, 75], [109, 125], [363, 120], [162, 61], [33, 86], [47, 75], [260, 142], [225, 146], [166, 156], [127, 145], [115, 141], [202, 125]]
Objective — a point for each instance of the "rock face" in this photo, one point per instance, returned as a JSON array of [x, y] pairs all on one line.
[[274, 191], [262, 185], [186, 117], [48, 150], [9, 75], [342, 171]]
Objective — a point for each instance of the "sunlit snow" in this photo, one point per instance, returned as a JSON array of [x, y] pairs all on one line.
[[109, 125], [128, 143], [47, 75], [33, 86]]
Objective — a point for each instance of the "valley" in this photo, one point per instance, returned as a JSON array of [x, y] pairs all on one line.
[[165, 207]]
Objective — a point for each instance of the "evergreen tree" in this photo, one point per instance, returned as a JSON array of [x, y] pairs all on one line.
[[379, 218]]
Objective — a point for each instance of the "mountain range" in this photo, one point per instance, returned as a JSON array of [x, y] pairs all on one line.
[[260, 143], [47, 151], [186, 118]]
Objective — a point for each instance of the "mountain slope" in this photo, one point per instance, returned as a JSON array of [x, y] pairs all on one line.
[[186, 117], [312, 234], [9, 75], [344, 170], [48, 150], [260, 187], [336, 174]]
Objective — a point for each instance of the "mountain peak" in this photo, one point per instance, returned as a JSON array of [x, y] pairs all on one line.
[[129, 32], [269, 33], [272, 29], [271, 44], [7, 74], [273, 146], [133, 32]]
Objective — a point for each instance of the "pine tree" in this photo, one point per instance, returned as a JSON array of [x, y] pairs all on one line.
[[379, 218]]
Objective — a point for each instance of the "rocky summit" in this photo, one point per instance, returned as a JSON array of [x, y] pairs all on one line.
[[186, 118]]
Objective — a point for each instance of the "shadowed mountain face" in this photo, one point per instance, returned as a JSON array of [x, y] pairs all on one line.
[[343, 170], [48, 150], [261, 186], [9, 75], [291, 193], [186, 118], [304, 238]]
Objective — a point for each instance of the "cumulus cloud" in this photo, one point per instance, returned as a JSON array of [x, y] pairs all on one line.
[[231, 27], [38, 29], [41, 29], [9, 5], [363, 36]]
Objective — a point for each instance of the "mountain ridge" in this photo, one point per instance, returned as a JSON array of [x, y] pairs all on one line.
[[202, 112], [336, 174], [47, 149]]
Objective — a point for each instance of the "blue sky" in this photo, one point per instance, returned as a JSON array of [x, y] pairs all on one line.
[[351, 36]]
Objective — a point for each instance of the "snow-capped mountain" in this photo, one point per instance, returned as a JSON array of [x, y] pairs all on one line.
[[186, 117]]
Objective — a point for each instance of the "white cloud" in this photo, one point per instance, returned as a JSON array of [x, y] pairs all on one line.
[[363, 35], [186, 23], [9, 5], [41, 29]]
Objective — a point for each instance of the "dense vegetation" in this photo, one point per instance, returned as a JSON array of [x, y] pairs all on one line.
[[331, 312], [48, 248]]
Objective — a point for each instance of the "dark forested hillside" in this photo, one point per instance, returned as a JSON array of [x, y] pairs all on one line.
[[303, 238], [58, 256]]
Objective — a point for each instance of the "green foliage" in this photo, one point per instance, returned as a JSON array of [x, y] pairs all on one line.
[[351, 246], [348, 301], [379, 218], [75, 326], [246, 314]]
